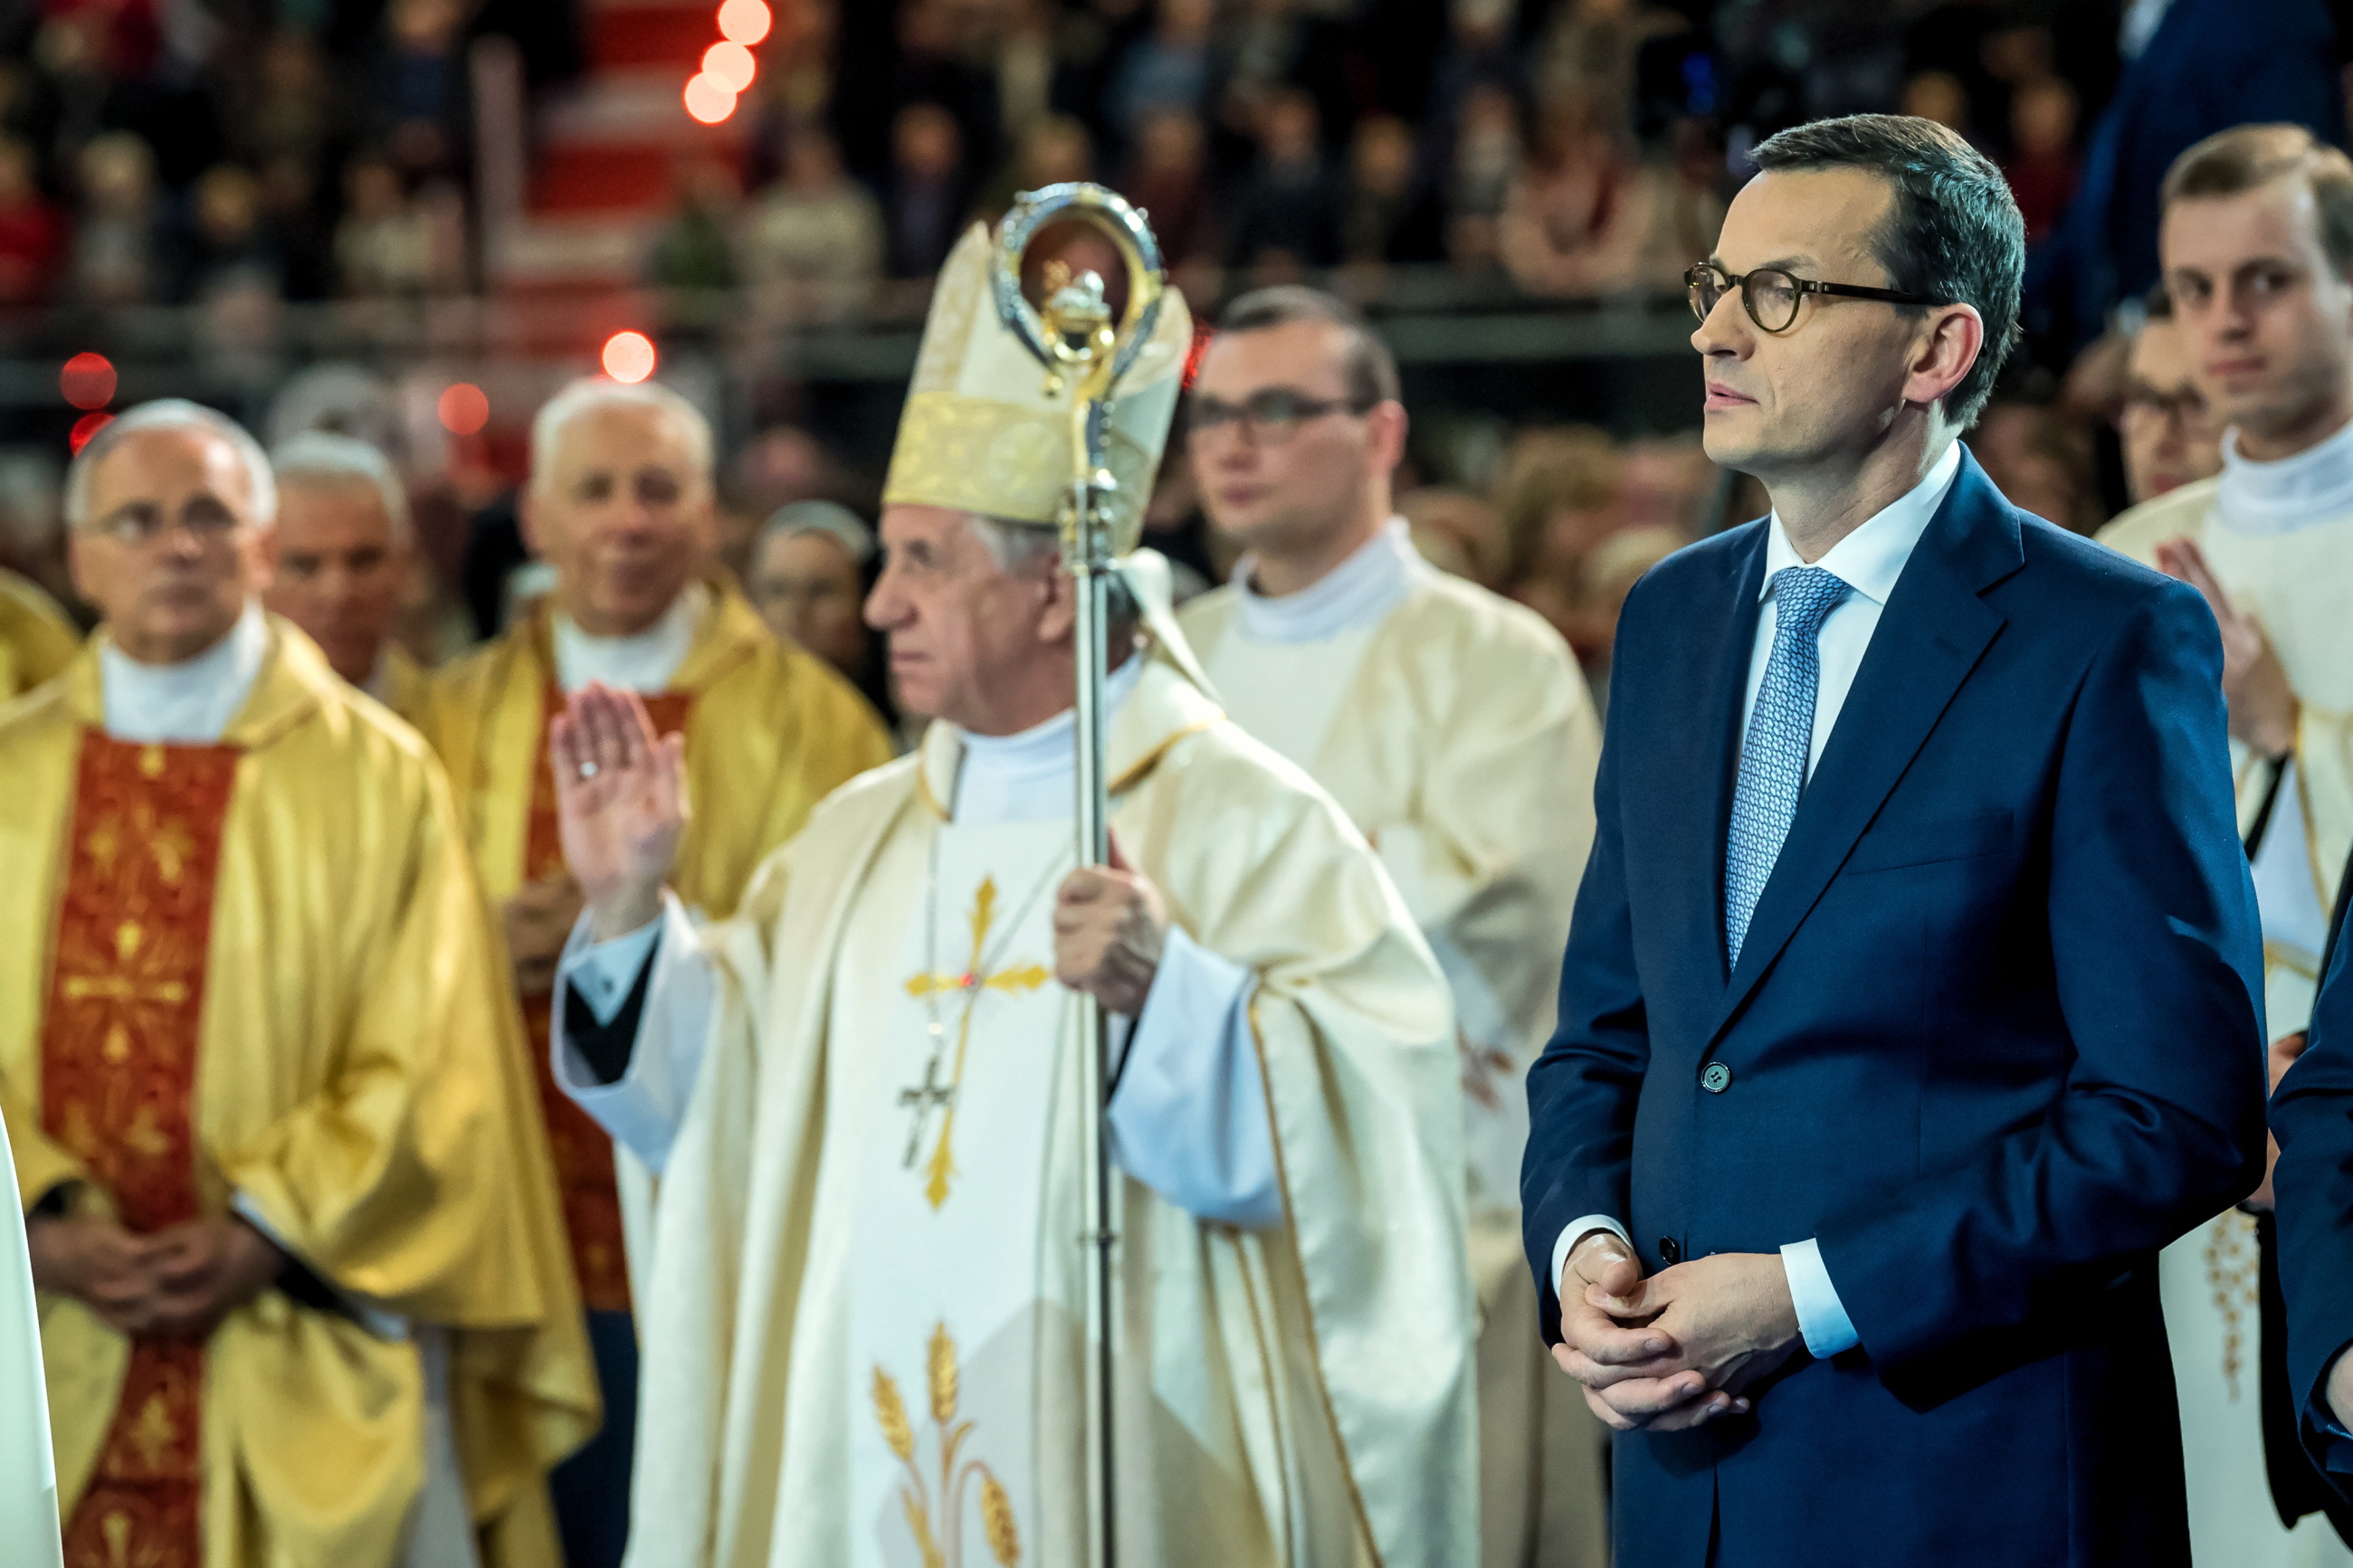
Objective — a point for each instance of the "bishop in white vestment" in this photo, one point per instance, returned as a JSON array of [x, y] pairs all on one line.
[[864, 1293]]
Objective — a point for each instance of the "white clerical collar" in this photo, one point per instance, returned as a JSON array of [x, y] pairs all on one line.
[[1026, 776], [1359, 591], [1870, 558], [2313, 485], [643, 661], [190, 703]]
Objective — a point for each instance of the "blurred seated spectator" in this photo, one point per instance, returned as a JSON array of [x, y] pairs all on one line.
[[1609, 573], [2042, 165], [285, 108], [1055, 151], [1559, 499], [927, 193], [1678, 206], [418, 91], [2041, 461], [1940, 96], [118, 253], [1387, 213], [1573, 223], [232, 249], [1168, 178], [811, 565], [1665, 482], [32, 233], [1587, 58], [290, 205], [1486, 165], [1456, 531], [1166, 71], [695, 250], [385, 245], [781, 465], [2171, 435], [1286, 214], [813, 242]]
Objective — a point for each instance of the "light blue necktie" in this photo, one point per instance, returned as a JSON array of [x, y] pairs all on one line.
[[1781, 739]]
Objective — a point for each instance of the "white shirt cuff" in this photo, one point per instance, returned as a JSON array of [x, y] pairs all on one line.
[[1576, 1230], [1821, 1317], [602, 972], [1189, 1117]]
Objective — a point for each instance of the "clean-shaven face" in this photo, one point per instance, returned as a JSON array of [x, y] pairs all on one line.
[[626, 516], [1784, 402], [169, 550], [335, 569], [1280, 488], [2268, 321], [963, 630], [2171, 434]]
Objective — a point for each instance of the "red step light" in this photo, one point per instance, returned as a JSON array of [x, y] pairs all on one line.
[[628, 356], [464, 409], [85, 426], [87, 382]]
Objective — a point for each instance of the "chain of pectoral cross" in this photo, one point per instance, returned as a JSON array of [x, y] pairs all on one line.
[[980, 974]]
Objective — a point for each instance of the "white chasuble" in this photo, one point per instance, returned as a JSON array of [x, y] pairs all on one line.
[[966, 1247]]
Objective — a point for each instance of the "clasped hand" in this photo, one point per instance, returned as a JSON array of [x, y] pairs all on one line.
[[1676, 1349], [179, 1282], [1110, 927]]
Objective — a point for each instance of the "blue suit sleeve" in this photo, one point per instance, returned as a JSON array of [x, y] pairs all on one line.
[[2156, 962], [2312, 1117], [1583, 1089]]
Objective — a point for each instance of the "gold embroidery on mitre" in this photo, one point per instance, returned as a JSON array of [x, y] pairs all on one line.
[[935, 1519]]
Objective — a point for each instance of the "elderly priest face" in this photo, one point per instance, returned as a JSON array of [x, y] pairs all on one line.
[[167, 533], [620, 504]]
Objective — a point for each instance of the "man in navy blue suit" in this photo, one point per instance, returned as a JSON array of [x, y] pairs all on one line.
[[1914, 995]]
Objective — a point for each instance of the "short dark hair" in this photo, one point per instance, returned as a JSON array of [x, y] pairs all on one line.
[[2245, 156], [1371, 369], [1953, 232]]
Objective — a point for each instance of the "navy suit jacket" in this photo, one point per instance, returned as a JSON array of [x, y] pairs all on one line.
[[1995, 1037], [2312, 1117]]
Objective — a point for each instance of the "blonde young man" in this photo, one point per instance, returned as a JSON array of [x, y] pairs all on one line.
[[288, 1210], [1455, 730], [863, 1326], [620, 504], [343, 552], [2257, 244]]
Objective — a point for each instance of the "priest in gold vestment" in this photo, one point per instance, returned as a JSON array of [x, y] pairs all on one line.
[[2268, 542], [342, 554], [864, 1285], [1455, 730], [37, 641], [302, 1290], [621, 504]]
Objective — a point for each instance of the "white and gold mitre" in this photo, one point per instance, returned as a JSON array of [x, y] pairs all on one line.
[[980, 432]]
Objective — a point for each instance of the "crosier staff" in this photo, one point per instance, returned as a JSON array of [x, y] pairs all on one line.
[[1085, 353]]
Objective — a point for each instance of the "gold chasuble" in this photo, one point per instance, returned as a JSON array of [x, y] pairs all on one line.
[[1455, 730], [36, 640], [263, 969], [770, 729], [861, 1325], [403, 682]]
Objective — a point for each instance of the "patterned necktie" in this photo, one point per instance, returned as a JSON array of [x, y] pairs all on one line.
[[1781, 739]]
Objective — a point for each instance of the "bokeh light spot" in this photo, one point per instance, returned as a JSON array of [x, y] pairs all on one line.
[[85, 426], [464, 409], [88, 381], [743, 21], [628, 356], [708, 99], [731, 66]]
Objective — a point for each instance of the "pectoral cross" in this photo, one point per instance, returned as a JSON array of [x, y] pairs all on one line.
[[922, 1099], [968, 983]]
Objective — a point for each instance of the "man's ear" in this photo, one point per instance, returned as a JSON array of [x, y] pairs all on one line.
[[1059, 618], [262, 563], [1955, 338], [1386, 424], [527, 518]]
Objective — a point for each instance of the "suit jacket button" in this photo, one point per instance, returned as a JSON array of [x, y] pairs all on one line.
[[1671, 1251], [1716, 1078]]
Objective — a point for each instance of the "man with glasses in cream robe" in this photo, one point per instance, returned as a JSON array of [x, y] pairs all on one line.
[[1456, 731], [2261, 278], [865, 1290]]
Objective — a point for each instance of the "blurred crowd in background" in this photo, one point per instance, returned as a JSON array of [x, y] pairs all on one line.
[[230, 156]]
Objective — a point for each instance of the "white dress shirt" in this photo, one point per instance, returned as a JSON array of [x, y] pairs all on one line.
[[1189, 1116], [1868, 561]]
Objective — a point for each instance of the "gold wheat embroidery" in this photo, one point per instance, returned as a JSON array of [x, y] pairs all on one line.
[[939, 1534]]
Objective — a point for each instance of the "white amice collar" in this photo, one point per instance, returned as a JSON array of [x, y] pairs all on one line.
[[190, 703], [1359, 591], [643, 661], [1026, 776], [2313, 487]]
